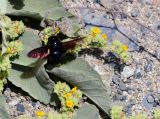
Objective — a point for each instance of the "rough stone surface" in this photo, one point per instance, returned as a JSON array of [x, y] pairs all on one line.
[[127, 72]]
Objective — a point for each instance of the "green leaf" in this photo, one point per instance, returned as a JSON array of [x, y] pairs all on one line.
[[35, 82], [30, 41], [3, 112], [87, 112], [38, 9], [34, 8], [79, 73]]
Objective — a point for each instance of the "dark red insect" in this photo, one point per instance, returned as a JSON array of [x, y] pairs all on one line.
[[54, 49], [41, 52]]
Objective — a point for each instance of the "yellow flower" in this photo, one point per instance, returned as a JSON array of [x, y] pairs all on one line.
[[67, 95], [104, 36], [74, 90], [95, 31], [124, 47], [40, 113], [70, 104], [9, 51]]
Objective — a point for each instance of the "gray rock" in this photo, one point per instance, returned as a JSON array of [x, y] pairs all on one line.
[[33, 103], [132, 101], [150, 99], [123, 16], [148, 84], [116, 79], [108, 3], [119, 92], [20, 108], [122, 87], [118, 97], [148, 67], [127, 72], [146, 104], [14, 102], [13, 94], [148, 2], [124, 98], [96, 1], [158, 27], [128, 109], [130, 91], [135, 12], [157, 54], [138, 73]]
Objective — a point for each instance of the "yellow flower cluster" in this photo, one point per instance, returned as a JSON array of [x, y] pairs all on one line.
[[47, 32], [69, 97], [40, 113], [124, 47], [14, 47], [97, 31], [69, 102], [120, 50]]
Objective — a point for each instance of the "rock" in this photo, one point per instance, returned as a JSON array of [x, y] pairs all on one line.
[[96, 1], [123, 16], [116, 79], [128, 109], [132, 101], [158, 27], [124, 98], [14, 102], [13, 94], [135, 12], [157, 53], [147, 105], [122, 87], [148, 84], [130, 92], [33, 103], [127, 72], [20, 108], [109, 3], [119, 92], [130, 1], [141, 49], [148, 67], [137, 73], [148, 2], [118, 97], [150, 99]]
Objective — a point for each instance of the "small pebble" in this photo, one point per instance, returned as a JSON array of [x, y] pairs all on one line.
[[137, 73], [148, 67], [127, 72], [20, 108], [116, 79], [122, 87], [134, 12], [13, 94], [33, 103], [150, 99]]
